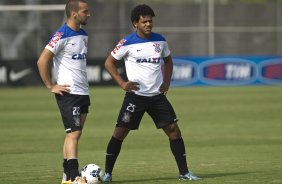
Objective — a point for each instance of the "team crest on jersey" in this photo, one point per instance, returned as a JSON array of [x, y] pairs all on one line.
[[157, 47], [55, 39]]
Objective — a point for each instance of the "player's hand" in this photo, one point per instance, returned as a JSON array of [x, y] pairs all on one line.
[[60, 89], [164, 88], [130, 86]]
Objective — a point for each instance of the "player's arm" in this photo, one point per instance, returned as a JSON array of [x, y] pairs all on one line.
[[44, 71], [111, 68], [168, 68]]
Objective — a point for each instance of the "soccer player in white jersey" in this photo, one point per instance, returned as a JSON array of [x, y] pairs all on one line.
[[143, 52], [68, 48]]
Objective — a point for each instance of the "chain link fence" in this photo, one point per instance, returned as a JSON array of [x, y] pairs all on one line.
[[191, 27]]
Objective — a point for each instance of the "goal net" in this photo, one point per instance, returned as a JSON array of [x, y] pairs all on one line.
[[26, 29]]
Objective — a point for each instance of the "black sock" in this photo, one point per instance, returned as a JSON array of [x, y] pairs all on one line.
[[66, 174], [178, 150], [73, 168], [113, 150]]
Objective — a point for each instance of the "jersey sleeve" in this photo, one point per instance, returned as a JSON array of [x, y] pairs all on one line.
[[55, 43], [166, 51], [120, 50]]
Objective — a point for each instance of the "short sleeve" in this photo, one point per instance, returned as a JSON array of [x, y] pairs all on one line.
[[166, 51], [120, 50], [55, 44]]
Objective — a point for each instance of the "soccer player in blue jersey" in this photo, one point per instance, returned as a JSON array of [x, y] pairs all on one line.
[[146, 88], [68, 48]]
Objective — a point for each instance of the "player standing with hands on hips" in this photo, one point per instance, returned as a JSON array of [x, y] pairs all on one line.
[[146, 88], [68, 49]]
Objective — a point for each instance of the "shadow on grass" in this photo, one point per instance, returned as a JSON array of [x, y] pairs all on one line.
[[218, 175], [173, 180], [159, 179]]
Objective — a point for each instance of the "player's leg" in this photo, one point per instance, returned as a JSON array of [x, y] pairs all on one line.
[[113, 150], [164, 117], [71, 152], [66, 172], [177, 146], [74, 109], [114, 147], [129, 118], [72, 140]]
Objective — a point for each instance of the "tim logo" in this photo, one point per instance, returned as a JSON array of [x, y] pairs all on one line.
[[55, 39], [271, 71], [184, 72], [157, 47], [228, 71]]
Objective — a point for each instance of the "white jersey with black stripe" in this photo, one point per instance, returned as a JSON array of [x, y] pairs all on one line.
[[143, 61], [70, 49]]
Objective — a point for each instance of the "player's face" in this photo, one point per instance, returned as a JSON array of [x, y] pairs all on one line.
[[83, 13], [144, 26]]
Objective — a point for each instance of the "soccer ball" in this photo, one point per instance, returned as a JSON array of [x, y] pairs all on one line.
[[92, 173]]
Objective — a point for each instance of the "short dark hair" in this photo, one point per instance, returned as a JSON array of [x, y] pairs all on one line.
[[141, 10], [72, 5]]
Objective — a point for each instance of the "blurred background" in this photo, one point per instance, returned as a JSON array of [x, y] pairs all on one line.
[[198, 28], [233, 133]]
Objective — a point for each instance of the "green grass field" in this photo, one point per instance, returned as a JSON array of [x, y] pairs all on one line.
[[232, 135]]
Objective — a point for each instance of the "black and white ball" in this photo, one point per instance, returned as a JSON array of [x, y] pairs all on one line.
[[92, 173]]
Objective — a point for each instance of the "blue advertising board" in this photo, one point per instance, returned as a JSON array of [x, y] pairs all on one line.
[[227, 71], [187, 71]]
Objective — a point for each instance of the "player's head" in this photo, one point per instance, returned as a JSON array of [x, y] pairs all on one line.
[[77, 9], [142, 19], [141, 11]]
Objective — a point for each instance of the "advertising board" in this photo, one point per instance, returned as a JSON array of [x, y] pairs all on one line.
[[187, 71]]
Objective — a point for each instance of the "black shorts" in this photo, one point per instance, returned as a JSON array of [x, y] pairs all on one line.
[[71, 106], [134, 106]]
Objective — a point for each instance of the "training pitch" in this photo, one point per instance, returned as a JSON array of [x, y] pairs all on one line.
[[232, 135]]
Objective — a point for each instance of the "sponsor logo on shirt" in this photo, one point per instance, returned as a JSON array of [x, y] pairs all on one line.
[[119, 45], [79, 56], [55, 39], [149, 60]]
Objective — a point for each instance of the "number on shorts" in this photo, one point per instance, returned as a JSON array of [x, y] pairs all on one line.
[[76, 111], [131, 107]]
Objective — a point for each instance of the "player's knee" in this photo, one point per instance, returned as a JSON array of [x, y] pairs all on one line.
[[173, 131], [74, 135], [120, 133]]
